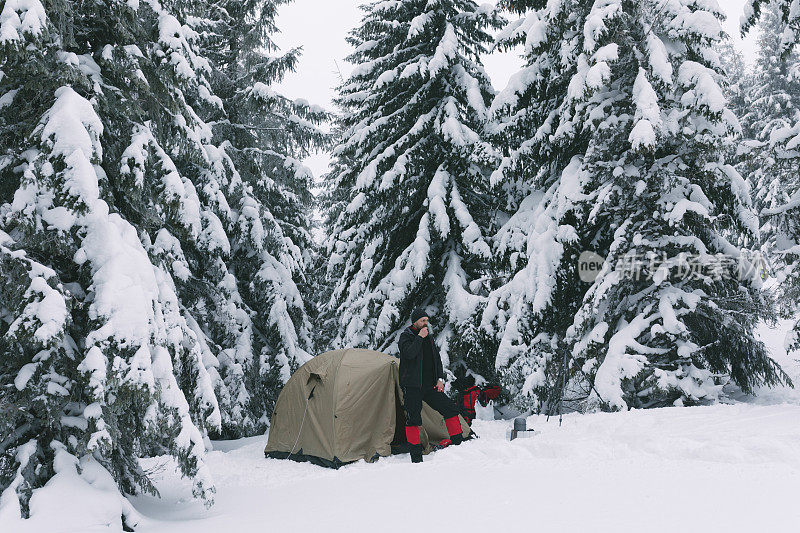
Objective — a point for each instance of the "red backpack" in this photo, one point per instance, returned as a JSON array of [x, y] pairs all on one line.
[[468, 397]]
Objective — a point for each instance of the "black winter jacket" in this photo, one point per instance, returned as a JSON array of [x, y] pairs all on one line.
[[410, 347]]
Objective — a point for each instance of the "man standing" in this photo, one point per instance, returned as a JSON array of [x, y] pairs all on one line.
[[422, 380]]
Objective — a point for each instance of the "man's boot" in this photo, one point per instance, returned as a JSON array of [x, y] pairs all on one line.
[[454, 430], [416, 453]]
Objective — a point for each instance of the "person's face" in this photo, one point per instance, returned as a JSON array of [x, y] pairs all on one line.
[[421, 323]]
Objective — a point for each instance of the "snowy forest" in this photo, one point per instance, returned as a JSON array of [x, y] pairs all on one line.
[[605, 233]]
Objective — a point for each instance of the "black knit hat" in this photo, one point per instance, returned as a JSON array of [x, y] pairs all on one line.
[[417, 313]]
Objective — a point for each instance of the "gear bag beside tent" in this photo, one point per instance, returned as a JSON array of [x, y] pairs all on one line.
[[343, 406]]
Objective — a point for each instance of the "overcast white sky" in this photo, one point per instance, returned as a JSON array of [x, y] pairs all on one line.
[[320, 27]]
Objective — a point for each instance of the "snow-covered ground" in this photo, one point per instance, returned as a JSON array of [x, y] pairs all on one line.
[[723, 468], [719, 468]]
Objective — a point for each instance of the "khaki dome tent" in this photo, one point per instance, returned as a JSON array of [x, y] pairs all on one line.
[[343, 406]]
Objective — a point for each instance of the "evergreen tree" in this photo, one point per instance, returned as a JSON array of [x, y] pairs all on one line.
[[738, 79], [771, 105], [91, 322], [151, 241], [410, 201], [619, 128], [536, 292], [789, 35], [772, 126], [262, 135], [772, 99], [737, 85]]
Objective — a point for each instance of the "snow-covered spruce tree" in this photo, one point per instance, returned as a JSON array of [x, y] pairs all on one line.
[[260, 136], [102, 223], [782, 225], [771, 104], [537, 291], [789, 13], [624, 103], [736, 84], [738, 79], [771, 155], [410, 201]]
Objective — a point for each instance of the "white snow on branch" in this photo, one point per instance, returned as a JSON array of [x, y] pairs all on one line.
[[21, 17], [648, 113], [446, 51], [701, 88]]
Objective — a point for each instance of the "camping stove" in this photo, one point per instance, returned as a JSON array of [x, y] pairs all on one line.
[[519, 430]]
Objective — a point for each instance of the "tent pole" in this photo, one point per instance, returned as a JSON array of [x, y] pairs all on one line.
[[303, 421]]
